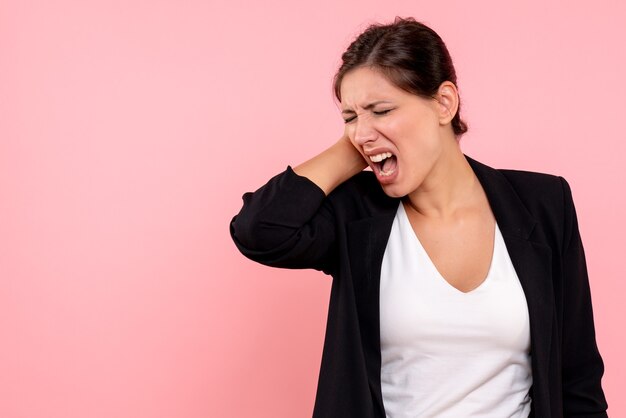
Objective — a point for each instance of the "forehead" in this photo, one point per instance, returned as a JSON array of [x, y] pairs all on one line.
[[364, 85]]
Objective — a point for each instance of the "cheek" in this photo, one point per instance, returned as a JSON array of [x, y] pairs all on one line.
[[423, 131], [349, 133], [419, 147], [409, 135], [408, 125]]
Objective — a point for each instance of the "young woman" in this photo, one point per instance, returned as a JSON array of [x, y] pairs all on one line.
[[459, 290]]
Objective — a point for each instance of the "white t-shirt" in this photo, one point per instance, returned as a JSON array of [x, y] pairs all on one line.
[[446, 353]]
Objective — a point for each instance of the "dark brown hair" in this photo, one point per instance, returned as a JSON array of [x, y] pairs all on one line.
[[410, 54]]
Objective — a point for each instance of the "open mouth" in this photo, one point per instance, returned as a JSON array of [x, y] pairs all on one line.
[[385, 163]]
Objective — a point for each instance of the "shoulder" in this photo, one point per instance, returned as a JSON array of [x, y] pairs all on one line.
[[532, 183], [548, 197], [540, 192]]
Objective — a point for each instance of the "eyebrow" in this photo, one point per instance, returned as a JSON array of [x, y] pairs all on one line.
[[369, 106]]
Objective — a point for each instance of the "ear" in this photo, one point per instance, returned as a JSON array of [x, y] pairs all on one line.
[[448, 102]]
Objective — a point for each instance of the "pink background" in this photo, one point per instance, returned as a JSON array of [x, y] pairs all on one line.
[[130, 129]]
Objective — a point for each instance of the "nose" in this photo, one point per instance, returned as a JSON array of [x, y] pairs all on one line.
[[364, 131]]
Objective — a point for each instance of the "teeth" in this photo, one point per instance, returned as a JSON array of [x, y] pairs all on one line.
[[379, 157]]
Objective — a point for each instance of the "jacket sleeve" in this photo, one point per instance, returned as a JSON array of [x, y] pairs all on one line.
[[288, 223], [583, 366]]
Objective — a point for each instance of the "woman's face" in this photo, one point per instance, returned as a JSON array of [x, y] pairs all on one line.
[[398, 133]]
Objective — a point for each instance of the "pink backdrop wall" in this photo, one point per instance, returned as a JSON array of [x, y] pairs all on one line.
[[130, 129]]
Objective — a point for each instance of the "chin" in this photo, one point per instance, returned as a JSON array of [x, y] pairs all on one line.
[[392, 190]]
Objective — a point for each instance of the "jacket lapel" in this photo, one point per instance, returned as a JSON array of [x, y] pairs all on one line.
[[531, 260], [533, 265]]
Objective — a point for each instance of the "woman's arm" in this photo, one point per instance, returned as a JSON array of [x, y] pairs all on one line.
[[288, 222], [333, 166], [583, 366]]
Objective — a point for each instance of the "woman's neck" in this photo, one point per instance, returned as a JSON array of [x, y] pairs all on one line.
[[450, 186]]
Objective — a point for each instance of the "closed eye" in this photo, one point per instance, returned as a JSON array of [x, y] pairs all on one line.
[[378, 113]]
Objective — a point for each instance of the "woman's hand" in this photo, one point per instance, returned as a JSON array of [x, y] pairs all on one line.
[[345, 141], [334, 165]]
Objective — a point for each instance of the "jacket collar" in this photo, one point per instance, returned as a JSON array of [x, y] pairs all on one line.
[[511, 214]]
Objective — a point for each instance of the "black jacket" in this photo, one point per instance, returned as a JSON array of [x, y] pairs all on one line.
[[290, 223]]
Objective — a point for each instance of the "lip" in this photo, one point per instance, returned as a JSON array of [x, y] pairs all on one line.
[[381, 179], [376, 151]]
